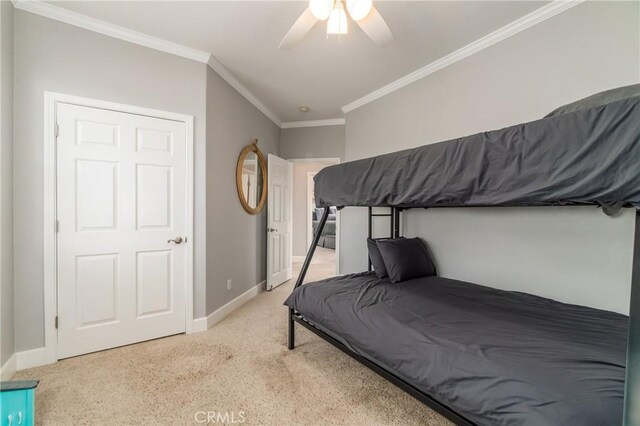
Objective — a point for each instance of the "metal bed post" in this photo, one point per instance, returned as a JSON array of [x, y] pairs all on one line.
[[303, 272], [632, 382], [396, 222], [392, 217], [369, 266]]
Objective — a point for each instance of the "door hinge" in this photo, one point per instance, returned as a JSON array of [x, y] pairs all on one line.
[[57, 226], [56, 322], [57, 130]]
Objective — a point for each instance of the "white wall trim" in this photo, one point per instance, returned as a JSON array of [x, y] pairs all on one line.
[[57, 13], [9, 368], [51, 100], [308, 203], [51, 11], [332, 160], [199, 325], [313, 123], [521, 24], [23, 360], [32, 358], [222, 312], [233, 82]]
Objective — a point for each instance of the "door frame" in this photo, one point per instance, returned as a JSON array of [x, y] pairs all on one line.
[[331, 161], [309, 204], [51, 100]]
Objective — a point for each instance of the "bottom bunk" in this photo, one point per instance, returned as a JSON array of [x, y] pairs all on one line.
[[474, 353]]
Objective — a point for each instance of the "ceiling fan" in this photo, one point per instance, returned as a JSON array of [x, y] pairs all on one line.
[[333, 11]]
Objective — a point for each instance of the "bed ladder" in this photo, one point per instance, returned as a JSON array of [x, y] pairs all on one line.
[[394, 225]]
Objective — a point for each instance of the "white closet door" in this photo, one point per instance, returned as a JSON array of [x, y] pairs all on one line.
[[121, 184], [279, 223]]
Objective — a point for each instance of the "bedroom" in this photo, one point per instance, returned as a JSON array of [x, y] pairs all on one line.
[[453, 69]]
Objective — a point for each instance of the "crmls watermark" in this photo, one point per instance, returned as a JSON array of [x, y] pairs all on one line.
[[220, 417]]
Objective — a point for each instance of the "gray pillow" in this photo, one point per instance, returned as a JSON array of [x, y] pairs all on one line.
[[376, 259], [405, 259], [598, 99]]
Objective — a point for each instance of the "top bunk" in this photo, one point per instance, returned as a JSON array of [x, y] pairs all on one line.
[[586, 153]]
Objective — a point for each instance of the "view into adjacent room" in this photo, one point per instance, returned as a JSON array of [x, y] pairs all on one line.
[[306, 216]]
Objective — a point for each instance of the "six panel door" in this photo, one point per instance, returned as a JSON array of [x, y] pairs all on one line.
[[121, 185], [279, 231]]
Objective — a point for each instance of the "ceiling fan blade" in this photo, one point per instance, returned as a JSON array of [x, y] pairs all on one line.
[[302, 26], [376, 28]]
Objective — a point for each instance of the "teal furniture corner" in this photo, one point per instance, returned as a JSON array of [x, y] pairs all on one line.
[[17, 402]]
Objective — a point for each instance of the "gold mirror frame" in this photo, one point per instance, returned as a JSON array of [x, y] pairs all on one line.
[[252, 147]]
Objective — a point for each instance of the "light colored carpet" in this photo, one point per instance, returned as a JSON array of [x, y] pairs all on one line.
[[241, 367]]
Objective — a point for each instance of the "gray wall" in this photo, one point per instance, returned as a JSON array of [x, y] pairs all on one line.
[[236, 241], [572, 254], [52, 56], [312, 142], [6, 180]]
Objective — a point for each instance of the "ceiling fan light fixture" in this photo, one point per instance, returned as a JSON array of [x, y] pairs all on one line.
[[321, 9], [337, 23], [359, 9]]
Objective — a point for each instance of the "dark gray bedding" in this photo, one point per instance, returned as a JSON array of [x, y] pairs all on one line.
[[496, 357], [589, 156]]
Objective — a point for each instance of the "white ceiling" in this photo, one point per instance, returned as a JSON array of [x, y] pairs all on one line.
[[323, 74]]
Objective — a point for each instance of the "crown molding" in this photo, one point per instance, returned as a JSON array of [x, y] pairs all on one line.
[[57, 13], [313, 123], [521, 24], [226, 75]]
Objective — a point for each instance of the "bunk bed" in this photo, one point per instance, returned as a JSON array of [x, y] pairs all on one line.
[[478, 355]]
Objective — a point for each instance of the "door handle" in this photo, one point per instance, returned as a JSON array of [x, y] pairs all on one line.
[[271, 230], [176, 240]]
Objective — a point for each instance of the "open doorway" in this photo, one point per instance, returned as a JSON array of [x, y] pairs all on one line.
[[306, 217]]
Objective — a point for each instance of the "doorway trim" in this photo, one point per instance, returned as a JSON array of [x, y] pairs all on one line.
[[331, 161], [309, 202], [51, 100]]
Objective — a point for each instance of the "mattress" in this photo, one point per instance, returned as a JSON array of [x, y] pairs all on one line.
[[496, 357], [589, 156]]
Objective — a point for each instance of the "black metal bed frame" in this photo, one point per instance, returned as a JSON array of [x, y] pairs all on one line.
[[631, 415]]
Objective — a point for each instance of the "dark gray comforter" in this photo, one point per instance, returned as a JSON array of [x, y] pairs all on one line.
[[589, 156], [494, 356]]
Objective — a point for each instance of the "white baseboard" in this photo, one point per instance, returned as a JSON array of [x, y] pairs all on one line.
[[32, 358], [199, 325], [220, 313], [37, 357], [8, 369]]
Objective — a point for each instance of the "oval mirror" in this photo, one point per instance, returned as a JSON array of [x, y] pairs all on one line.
[[251, 177]]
